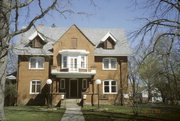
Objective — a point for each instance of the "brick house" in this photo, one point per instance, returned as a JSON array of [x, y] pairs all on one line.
[[73, 59]]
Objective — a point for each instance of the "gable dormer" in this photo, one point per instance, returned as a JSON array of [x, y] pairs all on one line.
[[36, 40], [108, 41]]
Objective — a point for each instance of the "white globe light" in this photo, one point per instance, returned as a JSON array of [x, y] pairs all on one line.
[[49, 81], [98, 81]]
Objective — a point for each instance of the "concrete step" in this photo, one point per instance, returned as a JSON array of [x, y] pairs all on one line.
[[72, 103]]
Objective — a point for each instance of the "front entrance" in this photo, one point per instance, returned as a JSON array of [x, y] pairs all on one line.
[[73, 88]]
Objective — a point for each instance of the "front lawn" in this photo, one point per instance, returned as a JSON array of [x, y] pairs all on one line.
[[33, 113], [125, 113]]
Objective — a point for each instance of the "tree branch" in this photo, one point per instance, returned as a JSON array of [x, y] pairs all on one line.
[[34, 20]]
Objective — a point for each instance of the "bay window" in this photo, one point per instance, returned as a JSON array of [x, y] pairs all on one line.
[[83, 62], [64, 62], [73, 63]]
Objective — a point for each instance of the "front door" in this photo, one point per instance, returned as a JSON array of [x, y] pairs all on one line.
[[73, 64], [73, 88]]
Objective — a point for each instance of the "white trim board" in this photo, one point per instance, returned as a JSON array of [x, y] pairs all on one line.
[[108, 35]]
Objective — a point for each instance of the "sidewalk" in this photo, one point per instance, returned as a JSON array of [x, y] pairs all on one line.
[[73, 112]]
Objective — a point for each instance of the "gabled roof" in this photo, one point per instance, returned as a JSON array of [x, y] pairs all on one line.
[[51, 35], [34, 35], [106, 37]]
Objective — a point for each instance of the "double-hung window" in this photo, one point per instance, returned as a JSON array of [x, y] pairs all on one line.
[[35, 86], [83, 62], [110, 87], [64, 61], [36, 63], [109, 63]]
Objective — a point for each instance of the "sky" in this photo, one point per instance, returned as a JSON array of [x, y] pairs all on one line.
[[115, 14], [120, 14]]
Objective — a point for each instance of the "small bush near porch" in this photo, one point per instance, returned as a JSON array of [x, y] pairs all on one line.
[[32, 113], [125, 113]]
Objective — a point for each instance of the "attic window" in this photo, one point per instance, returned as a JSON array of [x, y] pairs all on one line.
[[108, 41], [36, 40], [109, 44], [74, 43]]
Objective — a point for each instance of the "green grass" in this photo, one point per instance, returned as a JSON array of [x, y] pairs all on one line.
[[125, 113], [32, 113]]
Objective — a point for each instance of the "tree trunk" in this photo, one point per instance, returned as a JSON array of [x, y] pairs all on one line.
[[2, 87], [4, 39]]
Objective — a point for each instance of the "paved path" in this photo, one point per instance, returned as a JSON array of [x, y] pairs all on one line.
[[73, 113]]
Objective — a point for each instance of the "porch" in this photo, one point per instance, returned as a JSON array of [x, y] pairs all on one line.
[[70, 88]]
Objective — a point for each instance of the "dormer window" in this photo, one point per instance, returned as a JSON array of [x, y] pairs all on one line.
[[37, 43], [36, 40], [108, 41]]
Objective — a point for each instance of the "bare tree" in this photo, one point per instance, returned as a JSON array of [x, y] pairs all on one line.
[[163, 19], [11, 12], [133, 76]]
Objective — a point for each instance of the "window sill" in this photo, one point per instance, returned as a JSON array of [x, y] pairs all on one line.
[[36, 68], [109, 69], [34, 93], [111, 93]]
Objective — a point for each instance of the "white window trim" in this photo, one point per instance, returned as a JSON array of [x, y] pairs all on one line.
[[108, 35], [85, 62], [36, 63], [35, 34], [31, 87], [78, 61], [110, 90], [64, 83], [62, 64], [109, 64], [83, 84]]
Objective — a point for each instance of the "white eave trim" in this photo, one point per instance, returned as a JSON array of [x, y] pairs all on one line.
[[73, 74], [78, 52], [35, 34], [113, 55], [108, 35]]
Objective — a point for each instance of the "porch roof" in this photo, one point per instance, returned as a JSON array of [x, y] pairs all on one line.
[[60, 74]]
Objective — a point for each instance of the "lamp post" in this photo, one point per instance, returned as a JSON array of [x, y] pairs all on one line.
[[98, 82], [48, 82]]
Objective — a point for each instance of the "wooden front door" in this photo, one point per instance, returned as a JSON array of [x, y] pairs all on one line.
[[73, 88]]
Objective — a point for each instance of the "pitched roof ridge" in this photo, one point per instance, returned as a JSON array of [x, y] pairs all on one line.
[[48, 27]]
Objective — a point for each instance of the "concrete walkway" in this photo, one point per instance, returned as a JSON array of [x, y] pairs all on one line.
[[73, 112]]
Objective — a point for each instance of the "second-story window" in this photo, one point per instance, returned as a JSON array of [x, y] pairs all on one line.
[[109, 63], [83, 62], [64, 62], [36, 63]]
